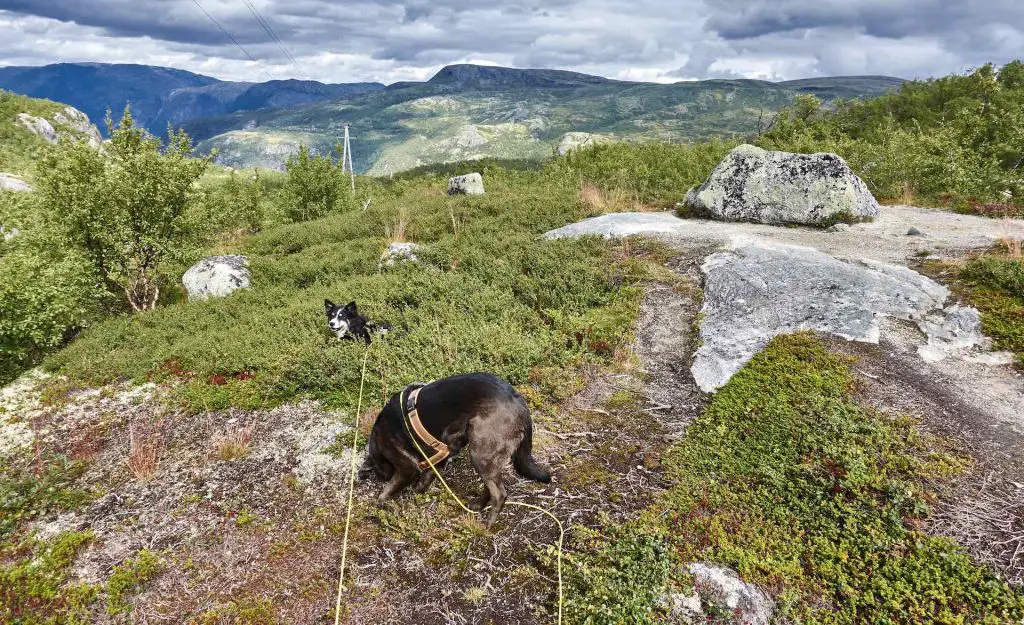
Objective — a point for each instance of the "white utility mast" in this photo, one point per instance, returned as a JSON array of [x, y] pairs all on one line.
[[346, 159]]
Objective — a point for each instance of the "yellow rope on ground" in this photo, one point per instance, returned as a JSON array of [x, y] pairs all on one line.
[[351, 490], [561, 528]]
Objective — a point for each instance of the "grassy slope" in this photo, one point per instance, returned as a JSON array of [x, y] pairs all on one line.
[[806, 492], [499, 300], [994, 283], [20, 148]]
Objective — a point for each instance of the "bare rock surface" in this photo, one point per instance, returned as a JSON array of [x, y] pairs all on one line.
[[11, 182], [397, 253], [752, 184], [757, 291], [39, 126]]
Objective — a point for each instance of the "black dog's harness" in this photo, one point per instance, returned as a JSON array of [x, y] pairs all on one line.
[[413, 423]]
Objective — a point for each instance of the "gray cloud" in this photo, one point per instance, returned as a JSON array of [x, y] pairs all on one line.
[[392, 40]]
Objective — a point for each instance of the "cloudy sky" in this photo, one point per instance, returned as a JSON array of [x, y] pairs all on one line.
[[390, 40]]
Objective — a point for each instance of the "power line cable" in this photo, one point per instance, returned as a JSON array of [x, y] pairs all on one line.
[[273, 36], [225, 31]]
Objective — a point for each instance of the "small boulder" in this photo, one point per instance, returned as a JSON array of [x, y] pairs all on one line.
[[39, 126], [722, 590], [8, 233], [216, 276], [914, 232], [470, 184], [838, 228], [10, 182], [399, 253], [751, 184]]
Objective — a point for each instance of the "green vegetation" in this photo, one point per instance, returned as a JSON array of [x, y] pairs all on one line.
[[807, 493], [28, 494], [128, 210], [35, 590], [315, 186], [994, 283], [20, 148], [954, 140], [128, 578]]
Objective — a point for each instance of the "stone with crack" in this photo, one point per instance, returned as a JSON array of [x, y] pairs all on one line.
[[756, 291]]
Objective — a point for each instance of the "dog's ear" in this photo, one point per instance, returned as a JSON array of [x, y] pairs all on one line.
[[328, 304], [351, 306]]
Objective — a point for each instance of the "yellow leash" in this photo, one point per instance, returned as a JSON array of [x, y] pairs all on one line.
[[561, 528], [351, 490]]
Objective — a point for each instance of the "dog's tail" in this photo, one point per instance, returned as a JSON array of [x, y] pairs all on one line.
[[523, 460]]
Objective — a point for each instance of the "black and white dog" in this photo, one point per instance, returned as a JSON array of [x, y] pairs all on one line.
[[345, 322]]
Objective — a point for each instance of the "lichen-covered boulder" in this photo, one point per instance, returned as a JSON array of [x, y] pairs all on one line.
[[470, 184], [216, 276], [751, 184], [10, 182], [722, 591], [399, 253]]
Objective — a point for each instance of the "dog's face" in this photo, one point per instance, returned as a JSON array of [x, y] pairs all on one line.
[[340, 318]]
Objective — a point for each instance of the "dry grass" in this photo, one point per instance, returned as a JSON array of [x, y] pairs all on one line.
[[1010, 242], [908, 194], [143, 449], [395, 233], [600, 201], [990, 524], [232, 443]]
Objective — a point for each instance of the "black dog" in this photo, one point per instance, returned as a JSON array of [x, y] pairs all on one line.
[[345, 322], [477, 409]]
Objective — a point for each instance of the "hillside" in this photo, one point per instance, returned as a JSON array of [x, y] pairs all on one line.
[[20, 147], [469, 112], [162, 95]]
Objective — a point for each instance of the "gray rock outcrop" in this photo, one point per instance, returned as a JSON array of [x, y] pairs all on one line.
[[79, 122], [216, 276], [751, 184], [470, 184], [39, 126], [10, 182], [757, 291]]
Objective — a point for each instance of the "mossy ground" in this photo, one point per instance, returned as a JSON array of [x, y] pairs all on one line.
[[802, 490]]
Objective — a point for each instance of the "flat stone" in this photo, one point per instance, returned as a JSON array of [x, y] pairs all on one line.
[[722, 589], [757, 291], [623, 225]]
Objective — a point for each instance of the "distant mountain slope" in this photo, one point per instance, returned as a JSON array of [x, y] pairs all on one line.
[[161, 95], [468, 112]]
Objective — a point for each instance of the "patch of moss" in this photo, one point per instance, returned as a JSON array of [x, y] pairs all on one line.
[[128, 578], [34, 582]]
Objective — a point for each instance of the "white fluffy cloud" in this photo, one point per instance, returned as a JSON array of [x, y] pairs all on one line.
[[391, 40]]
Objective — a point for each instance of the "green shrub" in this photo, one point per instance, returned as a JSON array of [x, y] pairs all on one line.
[[128, 210], [995, 285], [34, 585], [315, 186]]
